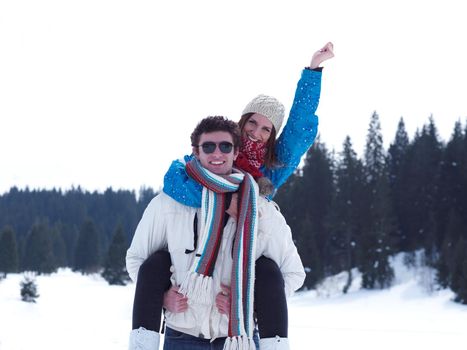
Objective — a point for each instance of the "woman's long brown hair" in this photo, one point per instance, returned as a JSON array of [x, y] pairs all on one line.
[[270, 159]]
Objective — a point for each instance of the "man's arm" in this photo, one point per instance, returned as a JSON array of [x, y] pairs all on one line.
[[150, 236], [280, 247]]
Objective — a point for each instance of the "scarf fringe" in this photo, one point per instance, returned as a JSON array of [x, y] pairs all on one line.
[[241, 342], [197, 288]]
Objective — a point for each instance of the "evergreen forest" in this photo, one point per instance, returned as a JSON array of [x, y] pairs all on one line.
[[346, 212]]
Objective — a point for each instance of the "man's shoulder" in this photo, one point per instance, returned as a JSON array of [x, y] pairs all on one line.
[[165, 203], [271, 222], [268, 207]]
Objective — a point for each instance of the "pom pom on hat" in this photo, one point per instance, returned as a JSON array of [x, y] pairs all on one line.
[[268, 106]]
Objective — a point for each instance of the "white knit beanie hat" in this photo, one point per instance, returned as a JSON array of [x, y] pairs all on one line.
[[268, 106]]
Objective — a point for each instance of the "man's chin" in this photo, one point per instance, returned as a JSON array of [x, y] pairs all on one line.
[[220, 171]]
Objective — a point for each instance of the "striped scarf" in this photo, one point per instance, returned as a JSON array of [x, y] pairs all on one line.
[[197, 285]]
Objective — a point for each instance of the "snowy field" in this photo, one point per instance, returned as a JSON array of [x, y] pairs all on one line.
[[77, 312]]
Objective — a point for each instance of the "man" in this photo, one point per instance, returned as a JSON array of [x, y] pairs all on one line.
[[213, 254]]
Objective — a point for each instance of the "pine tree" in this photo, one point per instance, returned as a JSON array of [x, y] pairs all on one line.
[[286, 198], [115, 267], [87, 249], [463, 180], [305, 203], [8, 252], [58, 247], [451, 184], [38, 254], [346, 211], [29, 288], [313, 203], [459, 276], [69, 234], [446, 262], [424, 159], [312, 259], [376, 232], [397, 169], [374, 150]]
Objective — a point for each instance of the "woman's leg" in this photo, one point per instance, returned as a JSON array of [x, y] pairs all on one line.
[[153, 281], [270, 300]]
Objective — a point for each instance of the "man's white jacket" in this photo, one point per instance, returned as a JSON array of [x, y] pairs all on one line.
[[168, 225]]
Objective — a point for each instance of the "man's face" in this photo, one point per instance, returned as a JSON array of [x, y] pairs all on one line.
[[218, 162]]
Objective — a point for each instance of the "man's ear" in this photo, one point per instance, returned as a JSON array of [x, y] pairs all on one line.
[[237, 150], [195, 151]]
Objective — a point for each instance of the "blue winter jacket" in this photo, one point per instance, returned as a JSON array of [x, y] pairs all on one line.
[[296, 138]]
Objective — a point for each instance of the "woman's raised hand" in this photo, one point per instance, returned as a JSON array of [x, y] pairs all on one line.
[[322, 55]]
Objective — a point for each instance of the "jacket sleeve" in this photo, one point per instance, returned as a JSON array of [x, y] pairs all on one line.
[[150, 236], [181, 187], [300, 130], [280, 247]]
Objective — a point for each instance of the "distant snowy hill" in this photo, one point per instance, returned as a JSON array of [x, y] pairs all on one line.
[[76, 312]]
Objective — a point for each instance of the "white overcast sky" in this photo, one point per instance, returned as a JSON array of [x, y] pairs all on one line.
[[103, 93]]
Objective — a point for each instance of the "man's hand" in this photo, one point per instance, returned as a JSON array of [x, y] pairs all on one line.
[[223, 300], [174, 301], [322, 55]]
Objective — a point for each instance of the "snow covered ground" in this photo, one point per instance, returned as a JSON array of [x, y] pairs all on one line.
[[77, 312]]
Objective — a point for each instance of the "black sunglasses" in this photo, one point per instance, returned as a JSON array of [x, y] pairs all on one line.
[[209, 147]]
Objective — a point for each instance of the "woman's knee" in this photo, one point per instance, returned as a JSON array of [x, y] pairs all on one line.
[[267, 271], [157, 263]]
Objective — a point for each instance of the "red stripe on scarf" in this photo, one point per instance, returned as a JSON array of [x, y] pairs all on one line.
[[209, 269]]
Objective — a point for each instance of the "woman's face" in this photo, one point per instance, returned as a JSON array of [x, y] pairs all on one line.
[[257, 128]]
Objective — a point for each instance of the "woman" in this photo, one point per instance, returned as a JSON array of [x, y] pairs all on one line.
[[271, 162], [282, 155]]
